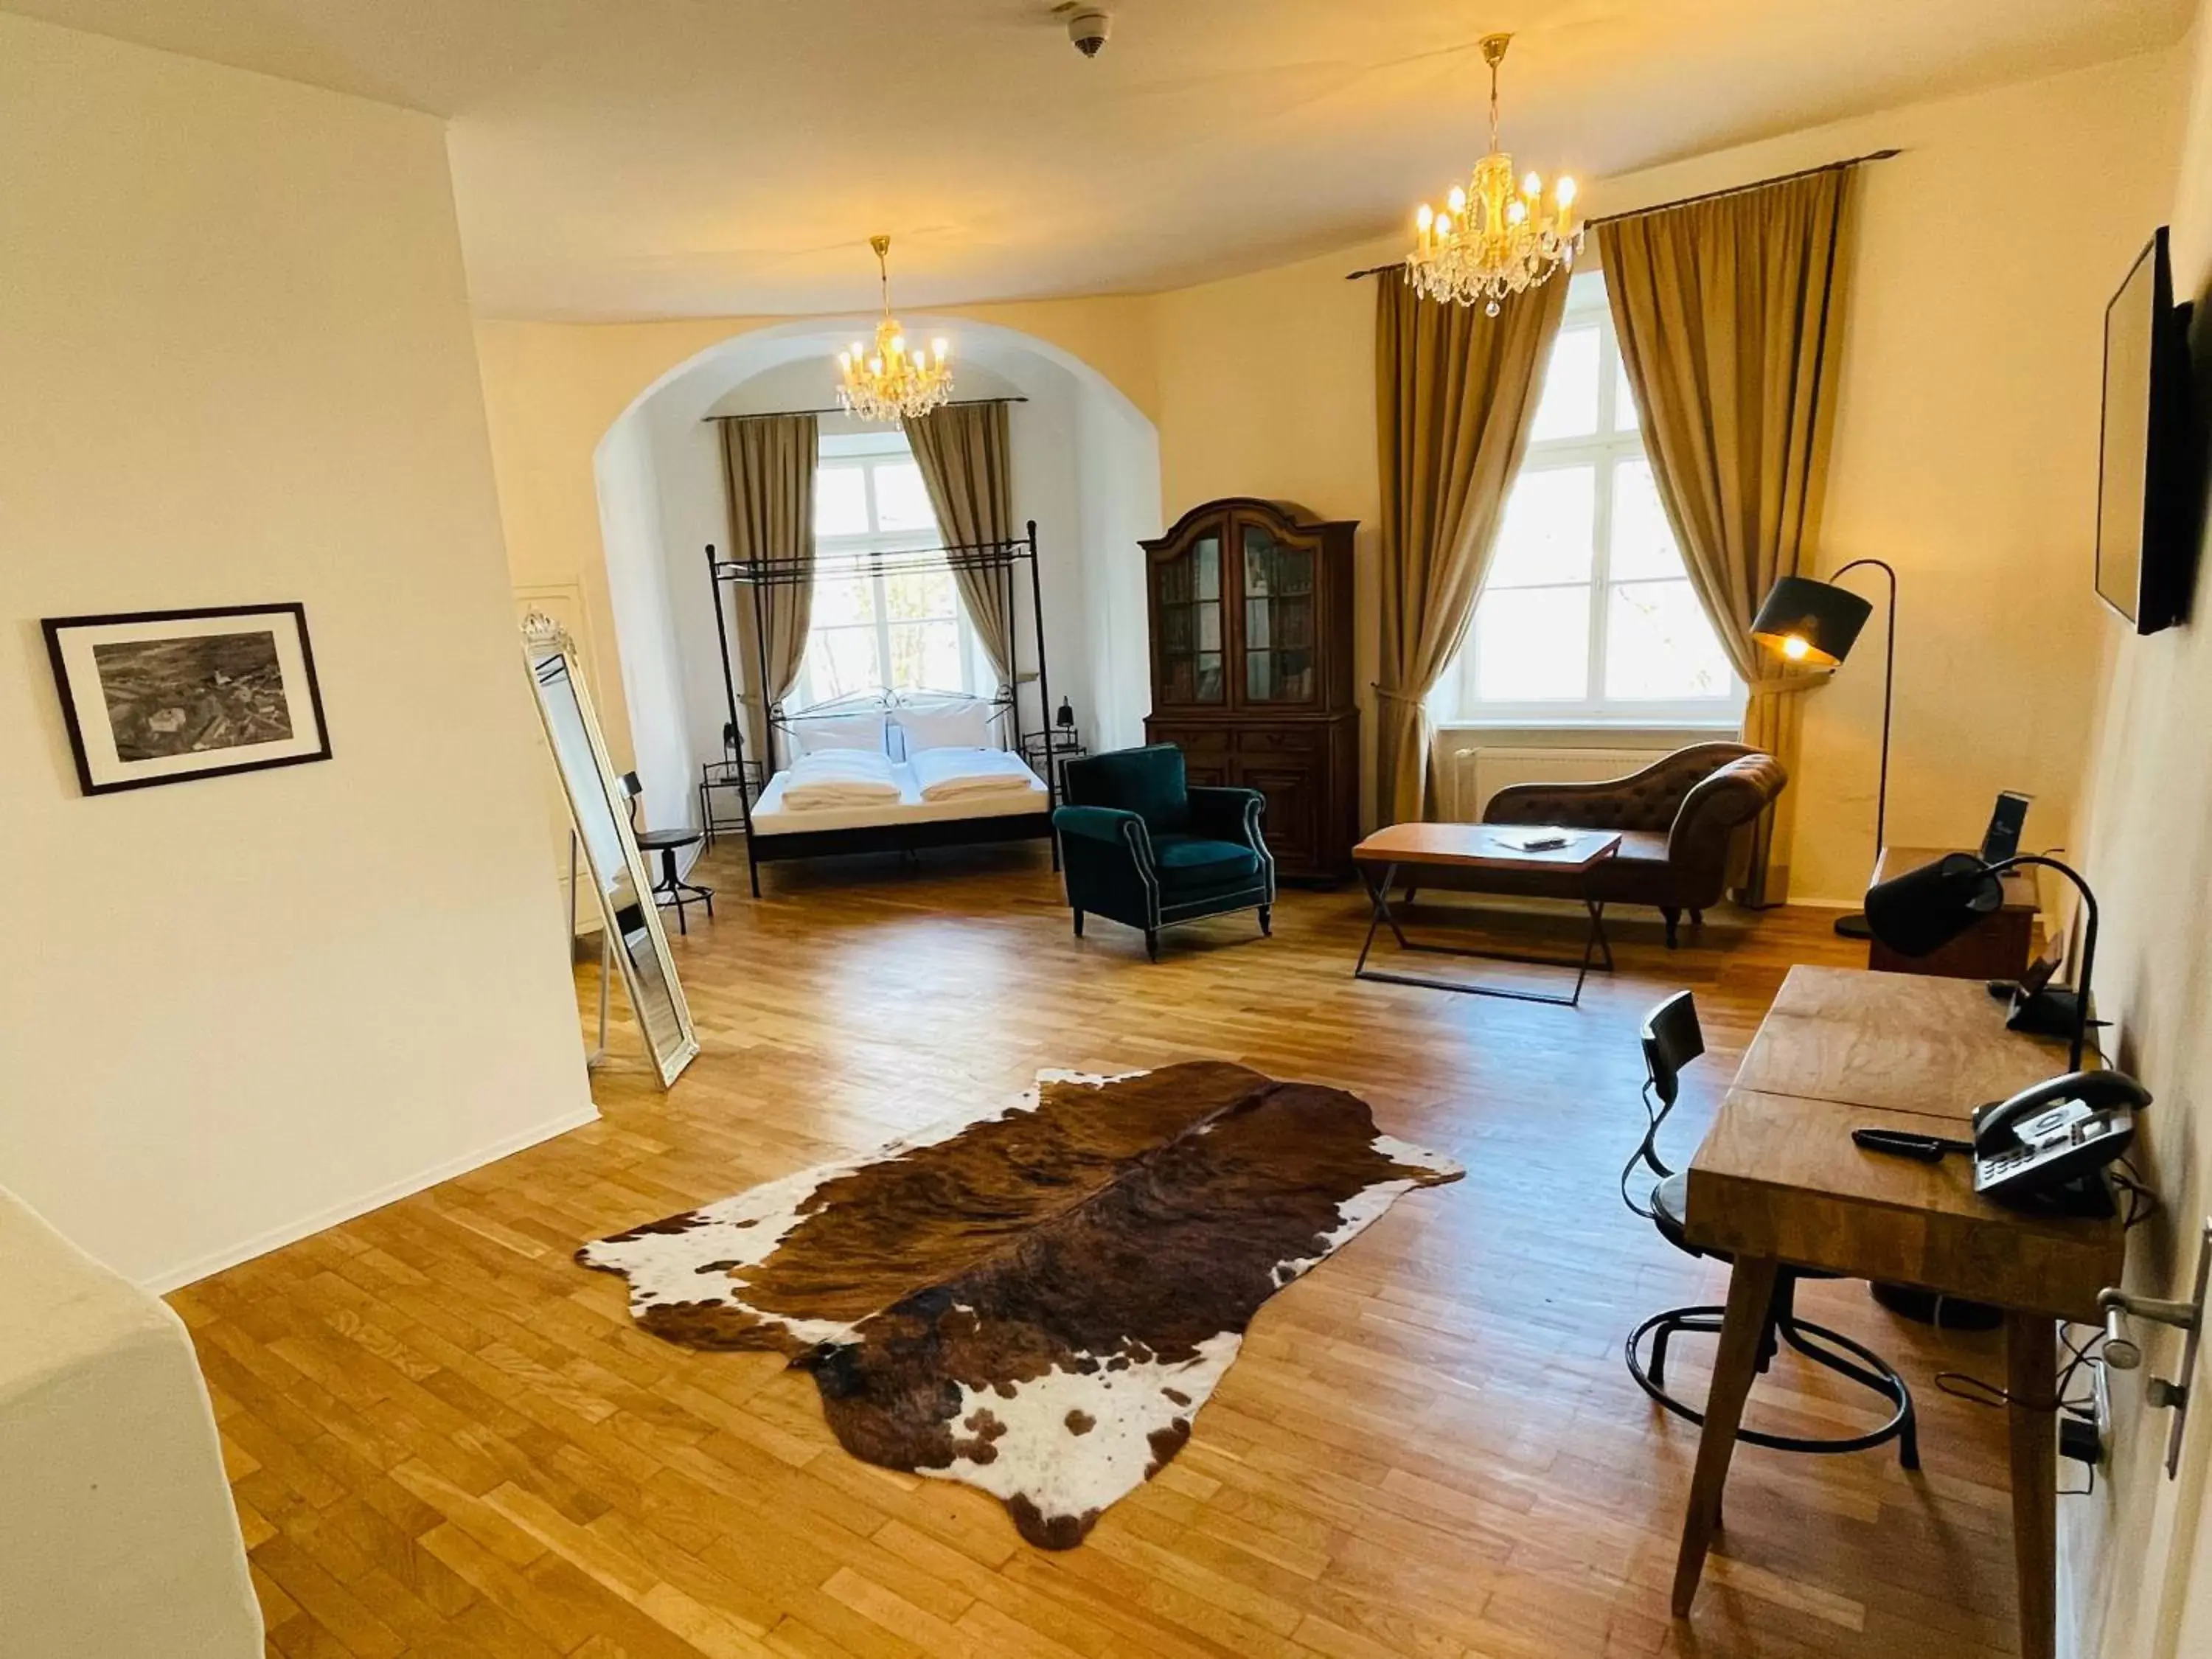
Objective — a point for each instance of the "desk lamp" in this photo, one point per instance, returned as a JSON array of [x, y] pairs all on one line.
[[1925, 909], [1816, 623]]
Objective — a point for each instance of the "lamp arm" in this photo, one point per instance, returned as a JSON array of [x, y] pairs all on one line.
[[1888, 690], [2088, 941]]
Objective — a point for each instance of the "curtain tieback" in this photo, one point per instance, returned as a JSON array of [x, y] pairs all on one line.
[[1381, 690]]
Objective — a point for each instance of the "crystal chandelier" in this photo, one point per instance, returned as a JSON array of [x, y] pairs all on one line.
[[1493, 237], [891, 383]]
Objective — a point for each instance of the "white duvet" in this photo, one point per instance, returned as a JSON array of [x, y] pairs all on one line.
[[840, 777], [962, 774]]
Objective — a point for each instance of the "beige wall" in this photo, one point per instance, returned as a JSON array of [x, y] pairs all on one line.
[[1964, 451], [239, 369], [2137, 1556]]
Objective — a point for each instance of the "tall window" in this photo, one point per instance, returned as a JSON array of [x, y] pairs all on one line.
[[1586, 611], [904, 631]]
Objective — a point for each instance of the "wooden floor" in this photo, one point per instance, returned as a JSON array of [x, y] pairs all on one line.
[[447, 1438]]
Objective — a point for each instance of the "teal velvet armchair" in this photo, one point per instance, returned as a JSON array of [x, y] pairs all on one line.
[[1142, 847]]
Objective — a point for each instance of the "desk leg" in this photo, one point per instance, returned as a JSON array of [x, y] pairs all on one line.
[[2031, 1377], [1751, 1291]]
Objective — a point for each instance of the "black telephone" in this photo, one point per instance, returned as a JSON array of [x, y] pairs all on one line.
[[2042, 1148]]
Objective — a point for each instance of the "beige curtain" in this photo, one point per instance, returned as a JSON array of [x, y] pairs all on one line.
[[1730, 313], [768, 463], [1455, 392], [966, 458]]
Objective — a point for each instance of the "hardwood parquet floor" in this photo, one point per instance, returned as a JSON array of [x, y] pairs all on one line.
[[447, 1439]]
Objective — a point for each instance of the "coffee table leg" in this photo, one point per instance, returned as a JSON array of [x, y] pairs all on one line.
[[1378, 898], [1596, 941]]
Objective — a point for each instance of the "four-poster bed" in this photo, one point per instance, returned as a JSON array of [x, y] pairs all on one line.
[[933, 805]]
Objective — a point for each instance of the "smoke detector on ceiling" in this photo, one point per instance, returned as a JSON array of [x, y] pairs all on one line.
[[1087, 29]]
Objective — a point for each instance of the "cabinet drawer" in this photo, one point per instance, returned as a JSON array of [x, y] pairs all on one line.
[[1295, 741], [1210, 742]]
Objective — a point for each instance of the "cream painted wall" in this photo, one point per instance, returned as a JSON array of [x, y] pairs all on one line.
[[1964, 451], [239, 369], [2136, 1558]]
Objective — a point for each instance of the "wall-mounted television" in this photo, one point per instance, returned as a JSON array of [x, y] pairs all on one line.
[[2147, 522]]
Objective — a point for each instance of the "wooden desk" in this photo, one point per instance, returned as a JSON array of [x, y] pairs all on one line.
[[1777, 1180], [1997, 947]]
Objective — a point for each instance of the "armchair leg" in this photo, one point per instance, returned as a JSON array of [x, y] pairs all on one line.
[[1673, 924], [1079, 924], [1152, 942], [1267, 921]]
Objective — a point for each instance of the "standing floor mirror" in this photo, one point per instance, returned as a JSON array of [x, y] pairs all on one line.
[[611, 854]]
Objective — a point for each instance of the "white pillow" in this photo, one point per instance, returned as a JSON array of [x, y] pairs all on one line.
[[810, 737], [955, 725]]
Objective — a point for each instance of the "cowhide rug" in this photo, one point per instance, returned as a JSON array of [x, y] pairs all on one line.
[[1035, 1302]]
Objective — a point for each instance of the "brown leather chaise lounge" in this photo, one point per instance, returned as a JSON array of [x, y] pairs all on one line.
[[1677, 817]]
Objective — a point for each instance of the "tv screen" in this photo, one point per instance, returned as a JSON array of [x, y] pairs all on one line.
[[2146, 533]]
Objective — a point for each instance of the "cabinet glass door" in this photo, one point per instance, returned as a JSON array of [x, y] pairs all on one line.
[[1191, 651], [1278, 618]]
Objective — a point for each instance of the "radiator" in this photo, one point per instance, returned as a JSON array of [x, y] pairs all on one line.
[[1478, 773]]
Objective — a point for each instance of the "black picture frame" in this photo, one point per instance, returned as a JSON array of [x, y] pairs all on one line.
[[89, 692]]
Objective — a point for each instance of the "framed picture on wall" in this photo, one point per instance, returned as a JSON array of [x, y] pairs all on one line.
[[159, 697]]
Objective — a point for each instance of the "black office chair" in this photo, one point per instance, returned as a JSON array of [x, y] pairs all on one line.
[[672, 888], [1672, 1040]]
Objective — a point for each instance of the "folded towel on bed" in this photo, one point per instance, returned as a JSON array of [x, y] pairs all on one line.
[[839, 777], [960, 774]]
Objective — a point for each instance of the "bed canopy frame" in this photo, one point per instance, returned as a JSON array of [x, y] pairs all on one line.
[[1000, 563]]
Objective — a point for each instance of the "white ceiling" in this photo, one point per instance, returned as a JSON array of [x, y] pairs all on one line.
[[643, 158]]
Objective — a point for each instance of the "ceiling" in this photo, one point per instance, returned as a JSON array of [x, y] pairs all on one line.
[[650, 158]]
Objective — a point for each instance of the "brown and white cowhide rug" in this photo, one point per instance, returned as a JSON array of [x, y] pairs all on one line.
[[1038, 1301]]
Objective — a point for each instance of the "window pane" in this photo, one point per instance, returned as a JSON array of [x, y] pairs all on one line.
[[840, 501], [1643, 540], [1659, 645], [919, 595], [901, 503], [1532, 646], [927, 656], [841, 660], [1569, 405], [1626, 416], [843, 601], [1546, 534]]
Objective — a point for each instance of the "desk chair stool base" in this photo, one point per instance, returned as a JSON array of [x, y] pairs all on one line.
[[1816, 1342], [672, 890]]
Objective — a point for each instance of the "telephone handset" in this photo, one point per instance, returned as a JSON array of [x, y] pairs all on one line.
[[2039, 1147]]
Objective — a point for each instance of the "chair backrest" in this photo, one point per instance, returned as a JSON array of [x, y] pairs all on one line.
[[1647, 800], [632, 786], [1722, 803], [1672, 1040], [1149, 781]]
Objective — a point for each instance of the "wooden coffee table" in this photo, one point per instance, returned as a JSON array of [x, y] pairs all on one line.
[[1445, 855]]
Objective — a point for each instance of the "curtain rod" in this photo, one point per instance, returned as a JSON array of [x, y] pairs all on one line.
[[1686, 201], [782, 414]]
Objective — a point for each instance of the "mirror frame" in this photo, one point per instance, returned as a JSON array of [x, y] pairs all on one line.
[[542, 638]]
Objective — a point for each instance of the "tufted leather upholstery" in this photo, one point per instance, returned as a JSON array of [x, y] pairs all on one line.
[[1679, 815]]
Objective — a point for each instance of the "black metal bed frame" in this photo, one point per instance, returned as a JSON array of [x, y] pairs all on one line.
[[999, 557]]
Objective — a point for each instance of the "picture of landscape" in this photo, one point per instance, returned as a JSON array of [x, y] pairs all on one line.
[[189, 696]]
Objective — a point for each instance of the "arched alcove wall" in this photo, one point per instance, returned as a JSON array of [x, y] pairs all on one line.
[[1086, 465]]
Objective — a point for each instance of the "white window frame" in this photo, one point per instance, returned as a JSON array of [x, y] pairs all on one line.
[[865, 452], [1456, 703]]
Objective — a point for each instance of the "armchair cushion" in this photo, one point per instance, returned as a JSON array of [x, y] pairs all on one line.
[[1193, 860]]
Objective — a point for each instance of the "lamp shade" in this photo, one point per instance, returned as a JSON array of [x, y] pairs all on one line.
[[1810, 622], [1923, 910]]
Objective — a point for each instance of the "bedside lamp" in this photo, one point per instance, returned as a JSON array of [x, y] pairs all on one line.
[[1923, 910], [1816, 623]]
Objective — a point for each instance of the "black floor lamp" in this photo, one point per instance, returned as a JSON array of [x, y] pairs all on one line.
[[1817, 622]]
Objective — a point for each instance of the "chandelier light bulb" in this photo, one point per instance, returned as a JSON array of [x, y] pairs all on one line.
[[1424, 217], [1532, 186], [1456, 202], [1565, 192]]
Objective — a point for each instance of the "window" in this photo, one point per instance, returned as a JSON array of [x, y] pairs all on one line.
[[1586, 612], [871, 632]]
